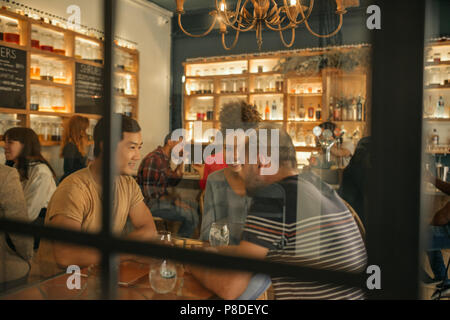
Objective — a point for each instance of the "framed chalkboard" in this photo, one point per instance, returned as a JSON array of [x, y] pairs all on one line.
[[88, 89], [13, 73]]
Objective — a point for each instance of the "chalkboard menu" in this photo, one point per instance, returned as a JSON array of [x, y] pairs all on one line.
[[13, 73], [88, 89]]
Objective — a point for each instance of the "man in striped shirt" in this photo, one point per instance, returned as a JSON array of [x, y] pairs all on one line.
[[294, 218]]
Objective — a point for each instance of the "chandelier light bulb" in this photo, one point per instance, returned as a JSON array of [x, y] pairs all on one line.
[[223, 6], [293, 2]]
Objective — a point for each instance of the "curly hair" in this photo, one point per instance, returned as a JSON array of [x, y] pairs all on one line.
[[238, 115]]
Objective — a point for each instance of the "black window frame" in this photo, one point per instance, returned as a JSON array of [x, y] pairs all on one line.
[[387, 233]]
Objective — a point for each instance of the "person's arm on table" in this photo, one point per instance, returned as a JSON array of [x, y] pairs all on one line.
[[228, 284]]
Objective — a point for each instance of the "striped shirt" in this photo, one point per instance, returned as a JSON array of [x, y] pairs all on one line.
[[317, 230]]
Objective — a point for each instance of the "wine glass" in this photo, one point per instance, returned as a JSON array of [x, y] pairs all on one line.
[[219, 234]]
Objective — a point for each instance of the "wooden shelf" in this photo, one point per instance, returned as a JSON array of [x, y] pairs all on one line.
[[306, 149], [437, 87], [198, 95], [437, 119], [50, 113], [13, 45], [12, 110], [437, 64], [305, 122], [51, 55], [123, 95], [232, 94], [305, 95], [267, 93], [265, 74], [48, 83]]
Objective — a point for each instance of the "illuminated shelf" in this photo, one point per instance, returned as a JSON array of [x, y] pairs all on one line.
[[306, 149], [437, 86], [437, 64], [48, 83], [272, 93], [437, 119], [305, 94], [48, 54], [12, 45]]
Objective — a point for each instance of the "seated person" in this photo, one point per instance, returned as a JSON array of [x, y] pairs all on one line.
[[15, 254], [154, 177], [77, 204], [225, 198], [276, 186], [23, 151], [353, 188], [74, 144], [439, 239]]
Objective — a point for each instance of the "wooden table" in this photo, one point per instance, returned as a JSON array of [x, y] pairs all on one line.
[[133, 285]]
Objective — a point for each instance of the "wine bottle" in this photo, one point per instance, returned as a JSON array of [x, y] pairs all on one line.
[[359, 109], [267, 111], [440, 108], [310, 111], [274, 111], [318, 112]]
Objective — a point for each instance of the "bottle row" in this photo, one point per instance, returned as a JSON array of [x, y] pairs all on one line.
[[47, 99], [125, 84], [7, 122], [437, 76], [9, 31], [273, 111], [346, 109], [303, 114], [48, 69], [435, 108], [438, 54]]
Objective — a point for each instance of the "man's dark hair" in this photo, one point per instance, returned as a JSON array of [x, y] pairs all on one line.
[[286, 148], [330, 126], [167, 137], [127, 125]]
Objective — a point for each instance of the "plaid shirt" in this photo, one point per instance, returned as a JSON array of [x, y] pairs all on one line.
[[155, 175]]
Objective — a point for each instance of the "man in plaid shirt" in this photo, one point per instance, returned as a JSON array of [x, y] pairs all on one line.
[[154, 177]]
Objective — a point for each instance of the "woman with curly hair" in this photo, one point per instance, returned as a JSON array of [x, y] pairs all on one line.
[[74, 142], [225, 196], [235, 115]]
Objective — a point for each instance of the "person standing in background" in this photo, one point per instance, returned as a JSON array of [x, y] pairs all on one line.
[[23, 149], [74, 143]]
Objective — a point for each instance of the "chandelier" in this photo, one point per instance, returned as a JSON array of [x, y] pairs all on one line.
[[287, 14]]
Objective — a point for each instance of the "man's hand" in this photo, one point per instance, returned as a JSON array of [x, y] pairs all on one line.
[[200, 168]]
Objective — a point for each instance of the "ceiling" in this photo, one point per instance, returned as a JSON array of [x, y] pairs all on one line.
[[188, 4]]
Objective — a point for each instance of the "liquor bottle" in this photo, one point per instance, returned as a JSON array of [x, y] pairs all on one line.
[[440, 110], [274, 111], [359, 109], [318, 112], [301, 112], [292, 112], [267, 111], [344, 108], [310, 112], [435, 138], [354, 111], [331, 110], [337, 112]]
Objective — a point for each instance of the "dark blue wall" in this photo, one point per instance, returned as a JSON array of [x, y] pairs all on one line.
[[323, 20]]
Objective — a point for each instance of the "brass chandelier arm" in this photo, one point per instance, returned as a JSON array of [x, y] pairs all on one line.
[[224, 13], [326, 35], [280, 29], [304, 18], [288, 45], [240, 27], [236, 37], [197, 35]]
